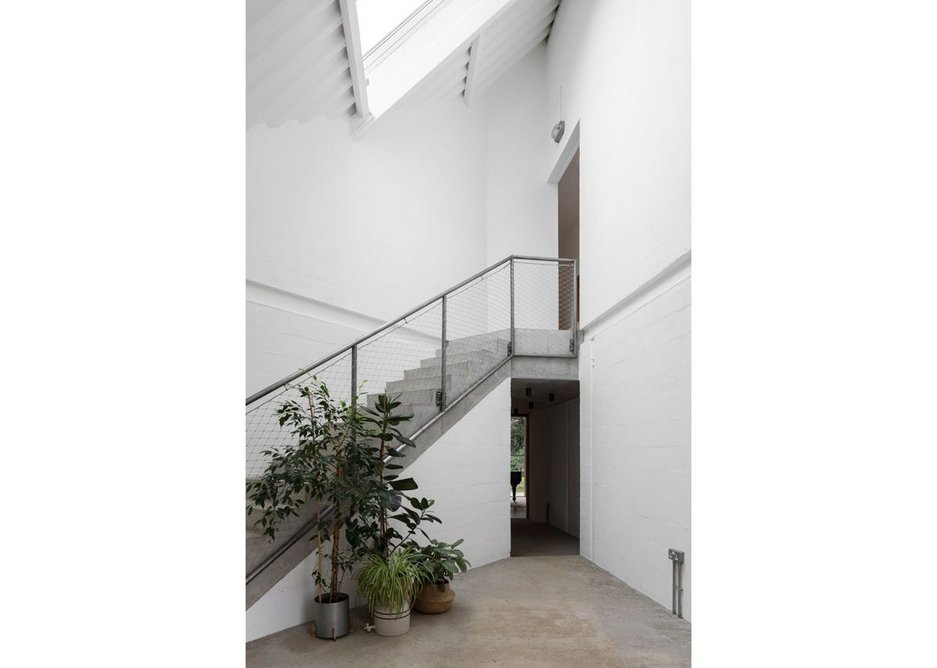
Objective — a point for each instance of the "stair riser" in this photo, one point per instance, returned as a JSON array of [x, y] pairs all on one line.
[[475, 359], [411, 398], [496, 346], [434, 370], [410, 385]]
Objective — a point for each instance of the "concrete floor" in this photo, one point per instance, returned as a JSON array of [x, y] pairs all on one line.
[[529, 539], [521, 611]]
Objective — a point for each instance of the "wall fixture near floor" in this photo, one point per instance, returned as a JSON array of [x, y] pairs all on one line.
[[676, 556]]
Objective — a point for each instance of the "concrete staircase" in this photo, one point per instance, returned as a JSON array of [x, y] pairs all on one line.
[[469, 360]]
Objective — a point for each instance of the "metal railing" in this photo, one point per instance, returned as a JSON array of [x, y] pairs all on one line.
[[436, 353]]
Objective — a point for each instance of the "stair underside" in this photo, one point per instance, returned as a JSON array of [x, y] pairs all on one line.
[[417, 391]]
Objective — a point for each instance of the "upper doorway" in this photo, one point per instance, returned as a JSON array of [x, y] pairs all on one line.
[[568, 230]]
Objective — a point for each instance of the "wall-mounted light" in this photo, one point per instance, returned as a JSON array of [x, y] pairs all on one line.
[[559, 128], [557, 132]]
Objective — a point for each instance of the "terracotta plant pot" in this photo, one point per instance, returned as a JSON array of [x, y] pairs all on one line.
[[434, 599]]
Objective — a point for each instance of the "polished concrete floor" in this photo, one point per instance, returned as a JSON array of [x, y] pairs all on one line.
[[529, 539], [550, 610]]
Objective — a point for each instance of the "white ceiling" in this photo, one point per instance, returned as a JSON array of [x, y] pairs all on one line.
[[298, 64]]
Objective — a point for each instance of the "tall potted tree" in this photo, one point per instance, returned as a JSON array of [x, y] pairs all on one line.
[[332, 464]]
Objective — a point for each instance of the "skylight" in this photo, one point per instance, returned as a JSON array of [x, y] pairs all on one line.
[[377, 18]]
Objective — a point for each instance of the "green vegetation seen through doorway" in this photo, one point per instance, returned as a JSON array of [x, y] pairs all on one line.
[[518, 447]]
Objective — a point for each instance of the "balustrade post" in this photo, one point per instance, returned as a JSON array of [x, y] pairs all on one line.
[[354, 377], [441, 397], [513, 342]]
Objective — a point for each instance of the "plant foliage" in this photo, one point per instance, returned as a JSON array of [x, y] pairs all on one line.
[[517, 443], [342, 461], [441, 561], [390, 581], [332, 464]]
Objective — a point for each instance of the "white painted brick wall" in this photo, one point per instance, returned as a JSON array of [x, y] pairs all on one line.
[[635, 452], [467, 471], [280, 342]]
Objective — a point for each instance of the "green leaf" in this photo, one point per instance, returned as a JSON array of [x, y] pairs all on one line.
[[403, 485]]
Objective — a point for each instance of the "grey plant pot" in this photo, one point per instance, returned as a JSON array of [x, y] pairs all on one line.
[[331, 618]]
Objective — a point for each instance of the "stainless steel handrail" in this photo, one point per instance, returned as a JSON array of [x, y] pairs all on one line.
[[390, 323]]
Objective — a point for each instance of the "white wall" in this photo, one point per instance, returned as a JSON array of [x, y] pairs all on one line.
[[357, 231], [282, 336], [466, 471], [554, 462], [624, 70], [521, 205], [635, 378]]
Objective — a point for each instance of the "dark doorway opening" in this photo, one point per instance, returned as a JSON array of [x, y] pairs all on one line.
[[545, 417], [568, 229]]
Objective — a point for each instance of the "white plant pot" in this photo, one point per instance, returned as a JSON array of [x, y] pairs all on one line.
[[391, 623]]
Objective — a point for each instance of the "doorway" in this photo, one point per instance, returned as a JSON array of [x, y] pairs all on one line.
[[545, 419], [568, 232]]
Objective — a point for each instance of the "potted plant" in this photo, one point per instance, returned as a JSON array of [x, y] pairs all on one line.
[[440, 562], [393, 570], [390, 582], [331, 464]]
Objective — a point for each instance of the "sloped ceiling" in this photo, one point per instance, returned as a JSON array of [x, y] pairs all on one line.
[[298, 64]]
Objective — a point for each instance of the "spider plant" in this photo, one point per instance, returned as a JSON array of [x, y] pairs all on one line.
[[390, 582]]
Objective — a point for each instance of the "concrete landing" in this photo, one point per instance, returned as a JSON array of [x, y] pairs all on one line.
[[531, 611]]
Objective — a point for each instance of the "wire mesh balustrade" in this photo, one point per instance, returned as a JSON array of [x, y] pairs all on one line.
[[435, 354]]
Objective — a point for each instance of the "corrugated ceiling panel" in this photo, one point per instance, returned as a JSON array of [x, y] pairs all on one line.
[[297, 66]]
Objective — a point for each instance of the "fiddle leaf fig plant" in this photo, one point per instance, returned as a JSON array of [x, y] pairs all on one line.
[[391, 497]]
